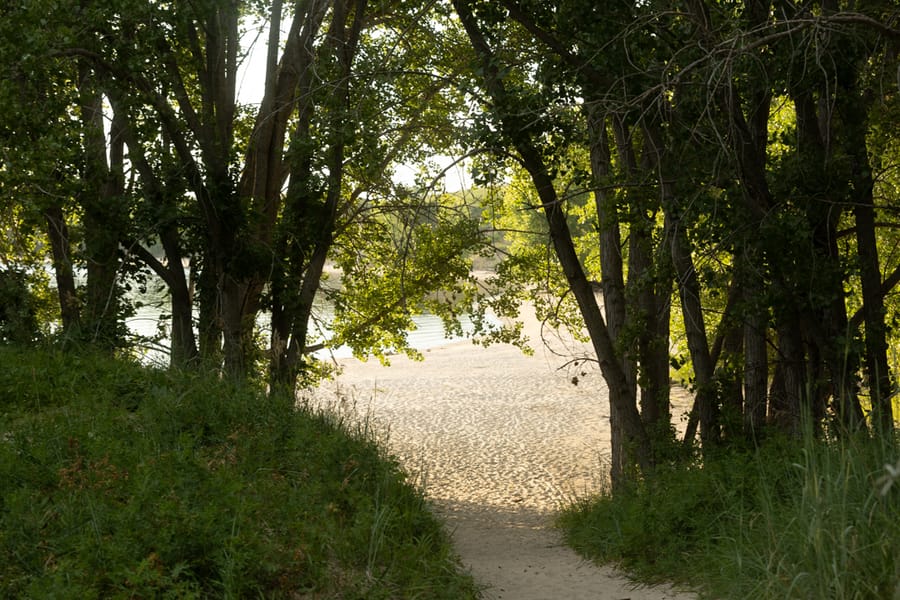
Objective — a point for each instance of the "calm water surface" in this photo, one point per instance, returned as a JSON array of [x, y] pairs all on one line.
[[429, 331]]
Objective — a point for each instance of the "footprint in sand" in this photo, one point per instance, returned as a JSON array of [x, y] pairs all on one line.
[[501, 449]]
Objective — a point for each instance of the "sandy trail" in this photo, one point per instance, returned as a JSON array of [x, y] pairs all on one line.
[[502, 441]]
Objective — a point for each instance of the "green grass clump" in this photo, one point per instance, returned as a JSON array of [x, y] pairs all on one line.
[[118, 481], [790, 520]]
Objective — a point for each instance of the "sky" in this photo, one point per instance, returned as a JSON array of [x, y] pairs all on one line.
[[251, 83]]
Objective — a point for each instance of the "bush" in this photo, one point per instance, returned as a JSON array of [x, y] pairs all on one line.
[[119, 481], [18, 315], [791, 520]]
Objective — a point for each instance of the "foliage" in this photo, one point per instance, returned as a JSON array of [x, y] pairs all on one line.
[[527, 268], [723, 175], [397, 263], [256, 197], [821, 520], [18, 308], [122, 481]]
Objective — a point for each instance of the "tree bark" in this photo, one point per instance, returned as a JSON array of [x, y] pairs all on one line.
[[101, 198], [688, 284], [315, 222], [853, 110], [647, 314], [637, 449], [612, 278], [756, 364], [60, 248], [184, 343]]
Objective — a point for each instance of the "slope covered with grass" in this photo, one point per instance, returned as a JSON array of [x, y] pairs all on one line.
[[790, 520], [119, 481]]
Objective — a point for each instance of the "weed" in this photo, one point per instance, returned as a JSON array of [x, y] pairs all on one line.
[[123, 481], [790, 520]]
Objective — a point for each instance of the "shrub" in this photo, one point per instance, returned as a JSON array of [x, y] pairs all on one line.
[[790, 520], [18, 315]]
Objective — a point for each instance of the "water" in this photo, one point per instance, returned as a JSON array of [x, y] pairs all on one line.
[[428, 333]]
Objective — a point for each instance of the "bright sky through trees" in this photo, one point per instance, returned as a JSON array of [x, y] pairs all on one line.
[[251, 84]]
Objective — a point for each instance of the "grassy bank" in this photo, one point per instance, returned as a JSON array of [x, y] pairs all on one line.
[[119, 481], [817, 521]]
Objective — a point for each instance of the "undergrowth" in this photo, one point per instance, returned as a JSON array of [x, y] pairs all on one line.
[[118, 481], [810, 520]]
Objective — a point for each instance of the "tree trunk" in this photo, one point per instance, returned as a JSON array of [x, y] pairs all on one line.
[[789, 397], [103, 186], [259, 189], [637, 447], [209, 323], [695, 329], [184, 342], [647, 313], [878, 375], [58, 234], [315, 222], [682, 262], [825, 306], [756, 364], [237, 327], [853, 110], [611, 275]]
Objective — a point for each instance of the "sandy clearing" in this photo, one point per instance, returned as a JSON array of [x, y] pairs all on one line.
[[502, 441]]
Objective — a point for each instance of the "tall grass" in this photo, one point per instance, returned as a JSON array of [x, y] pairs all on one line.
[[791, 520], [122, 481]]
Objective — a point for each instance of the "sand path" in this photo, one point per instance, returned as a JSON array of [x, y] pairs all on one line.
[[502, 440]]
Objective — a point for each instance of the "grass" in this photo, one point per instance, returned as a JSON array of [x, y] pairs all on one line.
[[118, 481], [811, 520]]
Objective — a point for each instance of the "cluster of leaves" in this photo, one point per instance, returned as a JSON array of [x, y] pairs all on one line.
[[119, 481], [400, 263]]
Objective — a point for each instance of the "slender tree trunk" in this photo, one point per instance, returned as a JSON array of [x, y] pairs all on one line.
[[729, 379], [516, 131], [58, 234], [695, 330], [259, 190], [878, 375], [825, 306], [316, 221], [756, 364], [611, 276], [646, 313], [689, 292], [184, 342], [853, 109]]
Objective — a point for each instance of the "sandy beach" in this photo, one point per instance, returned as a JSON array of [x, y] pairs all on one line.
[[501, 441]]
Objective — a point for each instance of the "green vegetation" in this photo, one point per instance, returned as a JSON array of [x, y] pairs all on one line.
[[122, 481], [725, 174], [822, 521]]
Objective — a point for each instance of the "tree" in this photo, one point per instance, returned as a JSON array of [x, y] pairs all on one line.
[[683, 109], [56, 162], [256, 197]]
